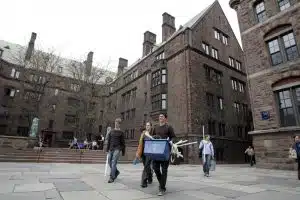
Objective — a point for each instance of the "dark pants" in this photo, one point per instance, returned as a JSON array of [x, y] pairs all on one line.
[[206, 163], [251, 160], [147, 172], [113, 158], [299, 167], [161, 175]]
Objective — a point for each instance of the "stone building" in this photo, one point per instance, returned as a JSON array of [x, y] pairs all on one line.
[[270, 31], [197, 76]]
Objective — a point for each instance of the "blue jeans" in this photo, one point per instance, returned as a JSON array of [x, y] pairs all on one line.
[[113, 158], [206, 163]]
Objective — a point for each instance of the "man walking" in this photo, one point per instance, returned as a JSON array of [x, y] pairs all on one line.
[[207, 154], [115, 145], [163, 131]]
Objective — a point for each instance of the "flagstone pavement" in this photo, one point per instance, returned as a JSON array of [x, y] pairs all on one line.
[[37, 181]]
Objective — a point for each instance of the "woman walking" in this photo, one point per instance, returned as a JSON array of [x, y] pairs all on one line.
[[147, 172], [207, 149]]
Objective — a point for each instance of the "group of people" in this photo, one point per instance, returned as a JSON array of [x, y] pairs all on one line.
[[93, 145], [116, 146]]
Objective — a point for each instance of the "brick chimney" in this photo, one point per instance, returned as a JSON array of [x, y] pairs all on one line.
[[149, 42], [30, 47], [168, 26], [121, 66], [89, 63]]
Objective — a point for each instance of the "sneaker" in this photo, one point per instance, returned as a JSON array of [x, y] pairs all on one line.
[[144, 185], [110, 180], [161, 193], [149, 181]]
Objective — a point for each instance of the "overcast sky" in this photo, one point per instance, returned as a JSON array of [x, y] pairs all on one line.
[[110, 28]]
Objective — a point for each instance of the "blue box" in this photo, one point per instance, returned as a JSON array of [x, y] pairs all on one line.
[[158, 149]]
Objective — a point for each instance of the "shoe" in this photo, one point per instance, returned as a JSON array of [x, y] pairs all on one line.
[[149, 181], [161, 193], [144, 185], [110, 180], [117, 173]]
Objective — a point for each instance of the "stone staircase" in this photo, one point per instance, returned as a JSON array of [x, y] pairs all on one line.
[[57, 155]]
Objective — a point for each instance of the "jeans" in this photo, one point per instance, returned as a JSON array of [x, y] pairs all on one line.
[[161, 175], [206, 163], [251, 160], [113, 158], [147, 172]]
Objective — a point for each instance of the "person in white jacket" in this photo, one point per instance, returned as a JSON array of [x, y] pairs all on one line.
[[207, 149]]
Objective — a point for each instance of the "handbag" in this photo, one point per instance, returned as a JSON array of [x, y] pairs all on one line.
[[292, 154], [212, 166]]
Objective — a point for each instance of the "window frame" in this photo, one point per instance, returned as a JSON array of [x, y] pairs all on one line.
[[257, 3], [295, 105], [205, 48], [282, 48], [215, 53]]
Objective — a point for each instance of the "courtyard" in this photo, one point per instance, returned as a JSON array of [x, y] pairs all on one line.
[[37, 181]]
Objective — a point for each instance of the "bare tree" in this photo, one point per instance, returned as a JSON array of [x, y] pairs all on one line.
[[87, 85], [38, 71]]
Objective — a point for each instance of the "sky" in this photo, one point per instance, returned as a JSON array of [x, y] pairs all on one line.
[[109, 28]]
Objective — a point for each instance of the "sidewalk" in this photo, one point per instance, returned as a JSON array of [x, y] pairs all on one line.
[[32, 181]]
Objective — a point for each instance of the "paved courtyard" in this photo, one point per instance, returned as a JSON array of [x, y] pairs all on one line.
[[31, 181]]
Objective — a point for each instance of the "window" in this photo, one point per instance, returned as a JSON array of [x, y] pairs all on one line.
[[238, 65], [135, 74], [275, 52], [34, 96], [132, 113], [288, 51], [145, 118], [37, 79], [260, 11], [284, 4], [50, 125], [231, 62], [217, 34], [132, 134], [210, 100], [75, 87], [225, 39], [23, 131], [211, 127], [14, 73], [289, 106], [163, 101], [102, 115], [222, 129], [160, 56], [163, 76], [56, 92], [234, 84], [220, 103], [145, 97], [147, 77], [59, 69], [53, 107], [127, 115], [214, 53], [245, 110], [213, 74], [70, 119], [11, 92], [122, 116], [240, 131], [205, 48], [241, 87], [236, 107], [156, 78]]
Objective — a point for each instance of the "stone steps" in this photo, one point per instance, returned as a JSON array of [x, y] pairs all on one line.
[[56, 155]]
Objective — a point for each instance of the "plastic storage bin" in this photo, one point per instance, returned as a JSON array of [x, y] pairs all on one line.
[[158, 149]]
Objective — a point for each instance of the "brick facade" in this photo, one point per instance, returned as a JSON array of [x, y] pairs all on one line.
[[271, 137], [181, 78]]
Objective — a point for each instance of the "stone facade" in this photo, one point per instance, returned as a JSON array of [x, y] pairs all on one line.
[[188, 76], [268, 77]]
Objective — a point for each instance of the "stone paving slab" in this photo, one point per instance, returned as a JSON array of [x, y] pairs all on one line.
[[60, 181]]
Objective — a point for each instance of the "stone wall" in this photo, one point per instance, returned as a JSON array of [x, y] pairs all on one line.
[[16, 142], [272, 149]]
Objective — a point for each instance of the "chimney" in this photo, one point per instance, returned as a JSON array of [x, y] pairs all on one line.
[[89, 63], [122, 64], [149, 42], [30, 47], [168, 26]]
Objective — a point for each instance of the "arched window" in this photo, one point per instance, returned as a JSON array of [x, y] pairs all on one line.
[[288, 97]]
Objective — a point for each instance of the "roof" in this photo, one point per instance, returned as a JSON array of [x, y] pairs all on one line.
[[189, 25], [12, 51]]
